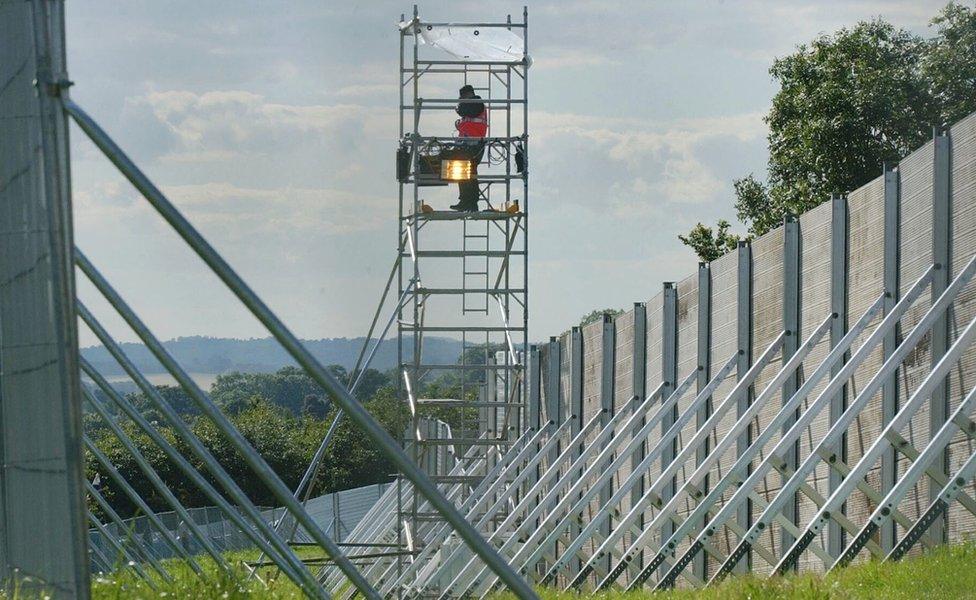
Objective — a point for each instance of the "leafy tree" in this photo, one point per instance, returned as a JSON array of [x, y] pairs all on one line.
[[173, 395], [370, 382], [709, 243], [263, 408], [597, 315], [353, 461], [286, 442], [288, 387], [235, 392], [949, 63], [752, 206], [847, 103], [315, 407]]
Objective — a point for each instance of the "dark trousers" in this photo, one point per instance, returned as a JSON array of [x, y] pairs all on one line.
[[468, 193]]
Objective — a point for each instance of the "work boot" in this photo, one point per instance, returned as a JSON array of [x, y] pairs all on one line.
[[465, 206]]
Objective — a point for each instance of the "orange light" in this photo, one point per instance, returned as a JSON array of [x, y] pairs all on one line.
[[455, 170]]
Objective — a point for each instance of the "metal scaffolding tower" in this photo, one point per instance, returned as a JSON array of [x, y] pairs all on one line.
[[460, 273]]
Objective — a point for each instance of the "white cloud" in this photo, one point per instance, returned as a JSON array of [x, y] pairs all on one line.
[[274, 132], [221, 125], [558, 57], [365, 91], [247, 212], [651, 161]]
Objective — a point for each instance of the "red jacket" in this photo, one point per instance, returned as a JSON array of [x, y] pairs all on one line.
[[474, 119], [476, 127]]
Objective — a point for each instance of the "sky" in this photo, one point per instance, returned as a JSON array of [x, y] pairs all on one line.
[[272, 127]]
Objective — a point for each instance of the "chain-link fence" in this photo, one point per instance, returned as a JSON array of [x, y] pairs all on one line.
[[335, 513]]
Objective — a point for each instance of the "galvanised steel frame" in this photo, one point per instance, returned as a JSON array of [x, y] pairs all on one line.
[[282, 555], [479, 288], [535, 531], [544, 524]]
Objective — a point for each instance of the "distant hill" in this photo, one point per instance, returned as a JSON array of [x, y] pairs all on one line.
[[208, 355]]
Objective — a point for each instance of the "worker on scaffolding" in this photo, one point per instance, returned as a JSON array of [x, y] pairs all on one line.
[[472, 127]]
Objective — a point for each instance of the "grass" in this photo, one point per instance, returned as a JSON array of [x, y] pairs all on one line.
[[944, 574], [186, 584]]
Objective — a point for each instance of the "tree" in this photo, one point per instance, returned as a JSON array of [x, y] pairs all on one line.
[[949, 64], [448, 383], [315, 407], [287, 387], [752, 206], [352, 460], [370, 382], [597, 315], [708, 243], [285, 441], [174, 396], [847, 103], [262, 411]]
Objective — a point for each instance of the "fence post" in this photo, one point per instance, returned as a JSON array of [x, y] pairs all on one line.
[[43, 522], [889, 393], [941, 255], [534, 412], [640, 392], [576, 406], [534, 389], [554, 406], [743, 321], [839, 248], [791, 342], [607, 385], [669, 377], [700, 565]]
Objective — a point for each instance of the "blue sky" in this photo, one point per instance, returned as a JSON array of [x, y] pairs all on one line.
[[271, 125]]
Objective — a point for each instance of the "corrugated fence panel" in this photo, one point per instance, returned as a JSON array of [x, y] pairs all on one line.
[[687, 364], [767, 305], [655, 312], [962, 380], [592, 384], [865, 283], [815, 270], [916, 256], [724, 274], [564, 388], [623, 389], [592, 365]]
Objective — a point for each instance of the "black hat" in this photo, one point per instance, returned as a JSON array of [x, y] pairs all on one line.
[[466, 89]]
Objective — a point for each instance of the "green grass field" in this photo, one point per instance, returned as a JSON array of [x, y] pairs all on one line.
[[946, 573]]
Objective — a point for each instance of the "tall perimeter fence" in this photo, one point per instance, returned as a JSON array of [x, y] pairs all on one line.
[[798, 404], [837, 258]]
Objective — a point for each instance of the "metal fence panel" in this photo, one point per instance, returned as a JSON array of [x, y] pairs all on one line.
[[43, 516]]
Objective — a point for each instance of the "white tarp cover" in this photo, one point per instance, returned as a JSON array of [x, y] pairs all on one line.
[[472, 43]]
